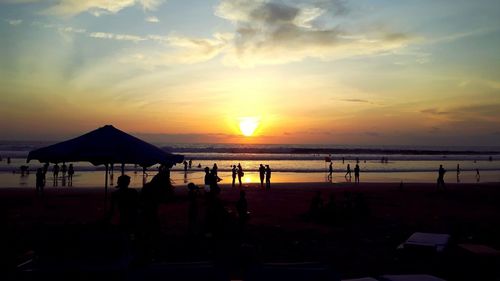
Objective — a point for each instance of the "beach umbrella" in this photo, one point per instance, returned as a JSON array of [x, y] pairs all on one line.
[[105, 146]]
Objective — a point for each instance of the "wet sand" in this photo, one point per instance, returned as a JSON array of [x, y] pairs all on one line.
[[278, 230]]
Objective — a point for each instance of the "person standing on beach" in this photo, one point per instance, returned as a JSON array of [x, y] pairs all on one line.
[[185, 166], [126, 200], [262, 174], [348, 172], [190, 163], [440, 179], [40, 181], [71, 172], [268, 177], [234, 172], [458, 172], [478, 176], [240, 173], [55, 171], [64, 169], [356, 174], [330, 171]]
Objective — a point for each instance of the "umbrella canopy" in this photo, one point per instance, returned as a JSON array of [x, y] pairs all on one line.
[[105, 145]]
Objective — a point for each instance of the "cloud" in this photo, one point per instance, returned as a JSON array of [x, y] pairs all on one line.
[[14, 22], [120, 37], [98, 7], [434, 111], [356, 100], [152, 19]]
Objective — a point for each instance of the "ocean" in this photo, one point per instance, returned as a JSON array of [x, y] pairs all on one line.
[[290, 163]]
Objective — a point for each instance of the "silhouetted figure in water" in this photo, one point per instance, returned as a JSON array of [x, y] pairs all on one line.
[[458, 172], [71, 172], [330, 171], [268, 177], [126, 200], [234, 172], [8, 160], [262, 175], [242, 208], [348, 173], [343, 159], [215, 169], [185, 166], [440, 179], [40, 181], [55, 172], [240, 173], [356, 174], [190, 163], [478, 176], [199, 165], [357, 160]]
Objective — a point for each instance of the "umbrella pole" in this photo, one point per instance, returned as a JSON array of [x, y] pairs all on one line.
[[106, 187]]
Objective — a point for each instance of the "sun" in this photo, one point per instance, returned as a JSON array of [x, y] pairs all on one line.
[[248, 125]]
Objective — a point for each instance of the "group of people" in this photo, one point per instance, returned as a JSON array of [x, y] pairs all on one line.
[[265, 172], [41, 175], [348, 174]]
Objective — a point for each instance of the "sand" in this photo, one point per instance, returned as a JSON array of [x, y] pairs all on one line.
[[279, 229]]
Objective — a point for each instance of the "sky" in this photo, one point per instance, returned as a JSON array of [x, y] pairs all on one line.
[[357, 72]]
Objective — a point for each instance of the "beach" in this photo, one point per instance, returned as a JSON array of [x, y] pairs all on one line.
[[279, 229]]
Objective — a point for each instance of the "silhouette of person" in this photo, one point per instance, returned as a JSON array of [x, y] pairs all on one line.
[[190, 163], [348, 172], [71, 172], [262, 174], [8, 160], [40, 181], [64, 169], [208, 179], [268, 177], [240, 173], [478, 176], [185, 165], [214, 184], [234, 172], [343, 159], [356, 173], [242, 208], [45, 168], [199, 165], [458, 172], [55, 171], [330, 171], [440, 179], [126, 200], [215, 169]]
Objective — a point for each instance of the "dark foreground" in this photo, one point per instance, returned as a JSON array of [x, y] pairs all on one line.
[[63, 235]]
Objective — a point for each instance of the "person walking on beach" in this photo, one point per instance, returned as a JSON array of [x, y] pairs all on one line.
[[40, 181], [71, 172], [234, 172], [356, 174], [330, 171], [268, 177], [262, 174], [240, 173], [348, 173], [440, 179]]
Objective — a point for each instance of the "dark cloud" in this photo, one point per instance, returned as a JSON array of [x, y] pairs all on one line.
[[434, 111], [356, 100]]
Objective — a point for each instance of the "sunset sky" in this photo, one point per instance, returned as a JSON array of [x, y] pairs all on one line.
[[423, 72]]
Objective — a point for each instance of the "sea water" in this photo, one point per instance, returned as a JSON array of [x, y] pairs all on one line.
[[290, 163]]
